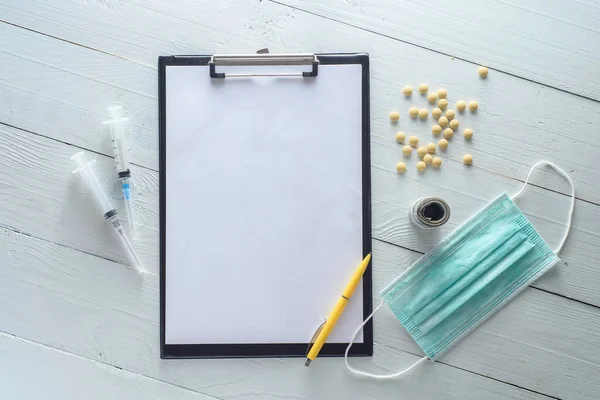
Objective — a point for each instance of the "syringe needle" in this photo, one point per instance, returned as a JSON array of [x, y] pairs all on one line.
[[127, 197], [138, 264]]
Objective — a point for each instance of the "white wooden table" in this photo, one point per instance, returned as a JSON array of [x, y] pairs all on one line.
[[76, 323]]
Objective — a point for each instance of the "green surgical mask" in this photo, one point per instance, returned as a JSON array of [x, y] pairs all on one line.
[[469, 276]]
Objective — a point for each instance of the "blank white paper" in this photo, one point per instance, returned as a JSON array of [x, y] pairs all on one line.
[[263, 205]]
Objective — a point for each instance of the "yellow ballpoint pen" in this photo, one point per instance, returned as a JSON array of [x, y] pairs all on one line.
[[337, 310]]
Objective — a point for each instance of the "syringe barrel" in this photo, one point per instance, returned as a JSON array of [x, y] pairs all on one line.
[[87, 172], [117, 125]]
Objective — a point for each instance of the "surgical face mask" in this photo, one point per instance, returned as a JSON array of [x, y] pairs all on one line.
[[469, 276]]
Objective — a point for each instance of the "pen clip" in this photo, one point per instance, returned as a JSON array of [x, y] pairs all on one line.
[[314, 336]]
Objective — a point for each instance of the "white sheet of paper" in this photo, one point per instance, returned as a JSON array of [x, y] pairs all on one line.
[[263, 205]]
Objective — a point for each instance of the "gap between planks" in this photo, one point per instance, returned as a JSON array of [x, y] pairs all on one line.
[[310, 13], [428, 49], [86, 149], [62, 351], [31, 235], [472, 372], [19, 231], [10, 336], [77, 44]]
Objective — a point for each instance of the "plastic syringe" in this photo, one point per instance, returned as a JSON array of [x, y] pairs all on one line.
[[109, 212], [117, 132]]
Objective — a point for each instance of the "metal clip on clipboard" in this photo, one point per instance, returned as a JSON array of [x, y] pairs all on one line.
[[261, 60]]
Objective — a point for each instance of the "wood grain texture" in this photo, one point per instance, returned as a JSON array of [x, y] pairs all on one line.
[[100, 310], [49, 92], [550, 42], [53, 204], [64, 62], [518, 121], [33, 371]]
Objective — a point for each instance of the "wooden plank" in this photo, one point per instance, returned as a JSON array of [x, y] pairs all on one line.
[[518, 121], [257, 388], [96, 309], [34, 371], [550, 42], [64, 94], [41, 197], [53, 204]]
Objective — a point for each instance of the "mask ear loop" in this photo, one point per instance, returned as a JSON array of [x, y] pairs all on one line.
[[572, 206], [376, 376]]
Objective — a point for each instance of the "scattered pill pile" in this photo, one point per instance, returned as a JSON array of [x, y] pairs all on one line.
[[447, 125]]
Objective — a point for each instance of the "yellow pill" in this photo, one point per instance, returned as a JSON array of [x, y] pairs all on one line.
[[423, 113], [436, 162], [450, 114], [473, 105], [406, 150], [443, 144], [423, 88], [443, 121], [448, 133], [413, 140], [421, 151], [400, 136], [431, 148], [483, 72], [443, 103], [468, 133], [394, 116], [442, 93], [413, 112], [427, 158], [432, 97], [407, 90], [436, 129], [468, 159], [421, 166], [461, 105], [400, 167], [436, 113], [454, 124]]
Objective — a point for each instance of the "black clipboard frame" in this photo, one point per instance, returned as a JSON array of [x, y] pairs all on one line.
[[170, 351]]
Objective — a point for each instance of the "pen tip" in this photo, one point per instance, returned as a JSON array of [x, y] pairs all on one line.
[[307, 363]]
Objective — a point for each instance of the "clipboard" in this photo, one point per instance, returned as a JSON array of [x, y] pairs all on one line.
[[265, 203]]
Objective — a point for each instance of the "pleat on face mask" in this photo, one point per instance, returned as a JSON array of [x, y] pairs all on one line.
[[469, 276]]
